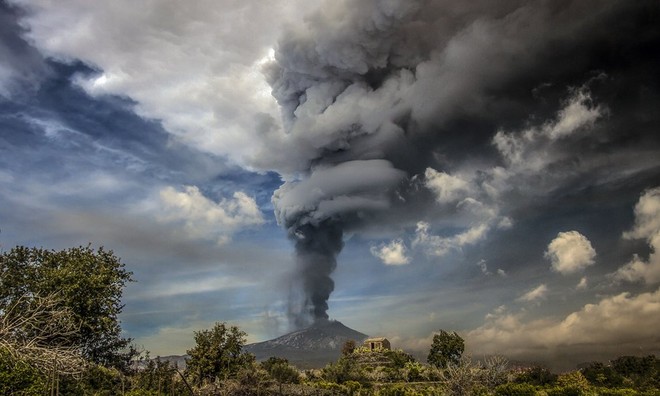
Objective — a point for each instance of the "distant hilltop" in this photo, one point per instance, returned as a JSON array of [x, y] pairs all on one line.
[[311, 347]]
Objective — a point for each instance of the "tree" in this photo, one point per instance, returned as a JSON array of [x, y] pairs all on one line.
[[217, 353], [536, 375], [88, 284], [17, 377], [572, 383], [281, 371], [348, 347], [447, 348], [159, 376], [37, 331]]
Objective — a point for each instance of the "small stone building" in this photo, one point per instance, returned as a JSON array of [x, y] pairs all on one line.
[[377, 343]]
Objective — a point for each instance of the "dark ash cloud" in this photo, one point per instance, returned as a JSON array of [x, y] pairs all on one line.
[[494, 106]]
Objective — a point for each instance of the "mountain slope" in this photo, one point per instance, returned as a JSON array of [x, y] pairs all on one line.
[[311, 347]]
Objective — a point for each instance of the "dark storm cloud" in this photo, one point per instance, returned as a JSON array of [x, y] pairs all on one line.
[[22, 66], [495, 109]]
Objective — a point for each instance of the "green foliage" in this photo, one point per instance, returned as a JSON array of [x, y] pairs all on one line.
[[284, 373], [536, 375], [353, 387], [515, 389], [348, 348], [19, 378], [631, 366], [571, 384], [407, 390], [345, 369], [158, 376], [217, 354], [398, 358], [271, 361], [616, 392], [100, 380], [142, 392], [281, 371], [447, 348], [414, 371], [89, 284], [573, 379], [601, 375], [253, 379], [642, 372], [331, 386]]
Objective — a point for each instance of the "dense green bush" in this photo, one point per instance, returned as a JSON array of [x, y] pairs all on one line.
[[616, 392], [19, 378], [536, 375], [397, 390], [515, 389]]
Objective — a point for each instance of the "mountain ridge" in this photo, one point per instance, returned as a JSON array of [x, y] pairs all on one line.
[[311, 347]]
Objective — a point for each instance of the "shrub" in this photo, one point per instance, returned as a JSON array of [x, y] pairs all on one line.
[[18, 377], [536, 375], [397, 390], [514, 389], [616, 392], [332, 386]]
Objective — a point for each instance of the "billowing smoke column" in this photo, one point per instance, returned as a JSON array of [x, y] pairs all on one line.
[[375, 92], [316, 211], [317, 248], [334, 144]]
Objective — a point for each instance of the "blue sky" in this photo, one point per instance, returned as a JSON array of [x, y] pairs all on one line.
[[489, 169]]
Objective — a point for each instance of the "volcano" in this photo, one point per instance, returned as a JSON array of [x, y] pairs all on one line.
[[311, 347]]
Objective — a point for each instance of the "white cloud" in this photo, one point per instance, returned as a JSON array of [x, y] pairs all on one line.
[[439, 246], [538, 293], [484, 267], [647, 226], [621, 323], [194, 65], [447, 188], [530, 150], [583, 284], [393, 253], [578, 113], [194, 285], [206, 219], [570, 252]]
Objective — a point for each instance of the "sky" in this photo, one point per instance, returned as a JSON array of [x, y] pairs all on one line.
[[400, 166]]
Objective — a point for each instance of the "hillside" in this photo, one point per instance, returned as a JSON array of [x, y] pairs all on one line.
[[311, 347]]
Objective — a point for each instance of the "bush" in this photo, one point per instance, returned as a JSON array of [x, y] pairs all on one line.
[[142, 392], [605, 376], [332, 386], [536, 375], [513, 389], [17, 377], [413, 372], [397, 390], [353, 387], [616, 392], [345, 369]]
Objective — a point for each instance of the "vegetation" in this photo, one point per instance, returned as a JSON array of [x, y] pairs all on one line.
[[80, 289], [217, 354], [446, 349], [59, 334]]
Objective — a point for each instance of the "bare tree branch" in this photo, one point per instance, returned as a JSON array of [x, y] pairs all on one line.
[[38, 330]]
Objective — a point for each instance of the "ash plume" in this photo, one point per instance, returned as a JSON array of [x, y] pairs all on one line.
[[316, 211], [375, 93]]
